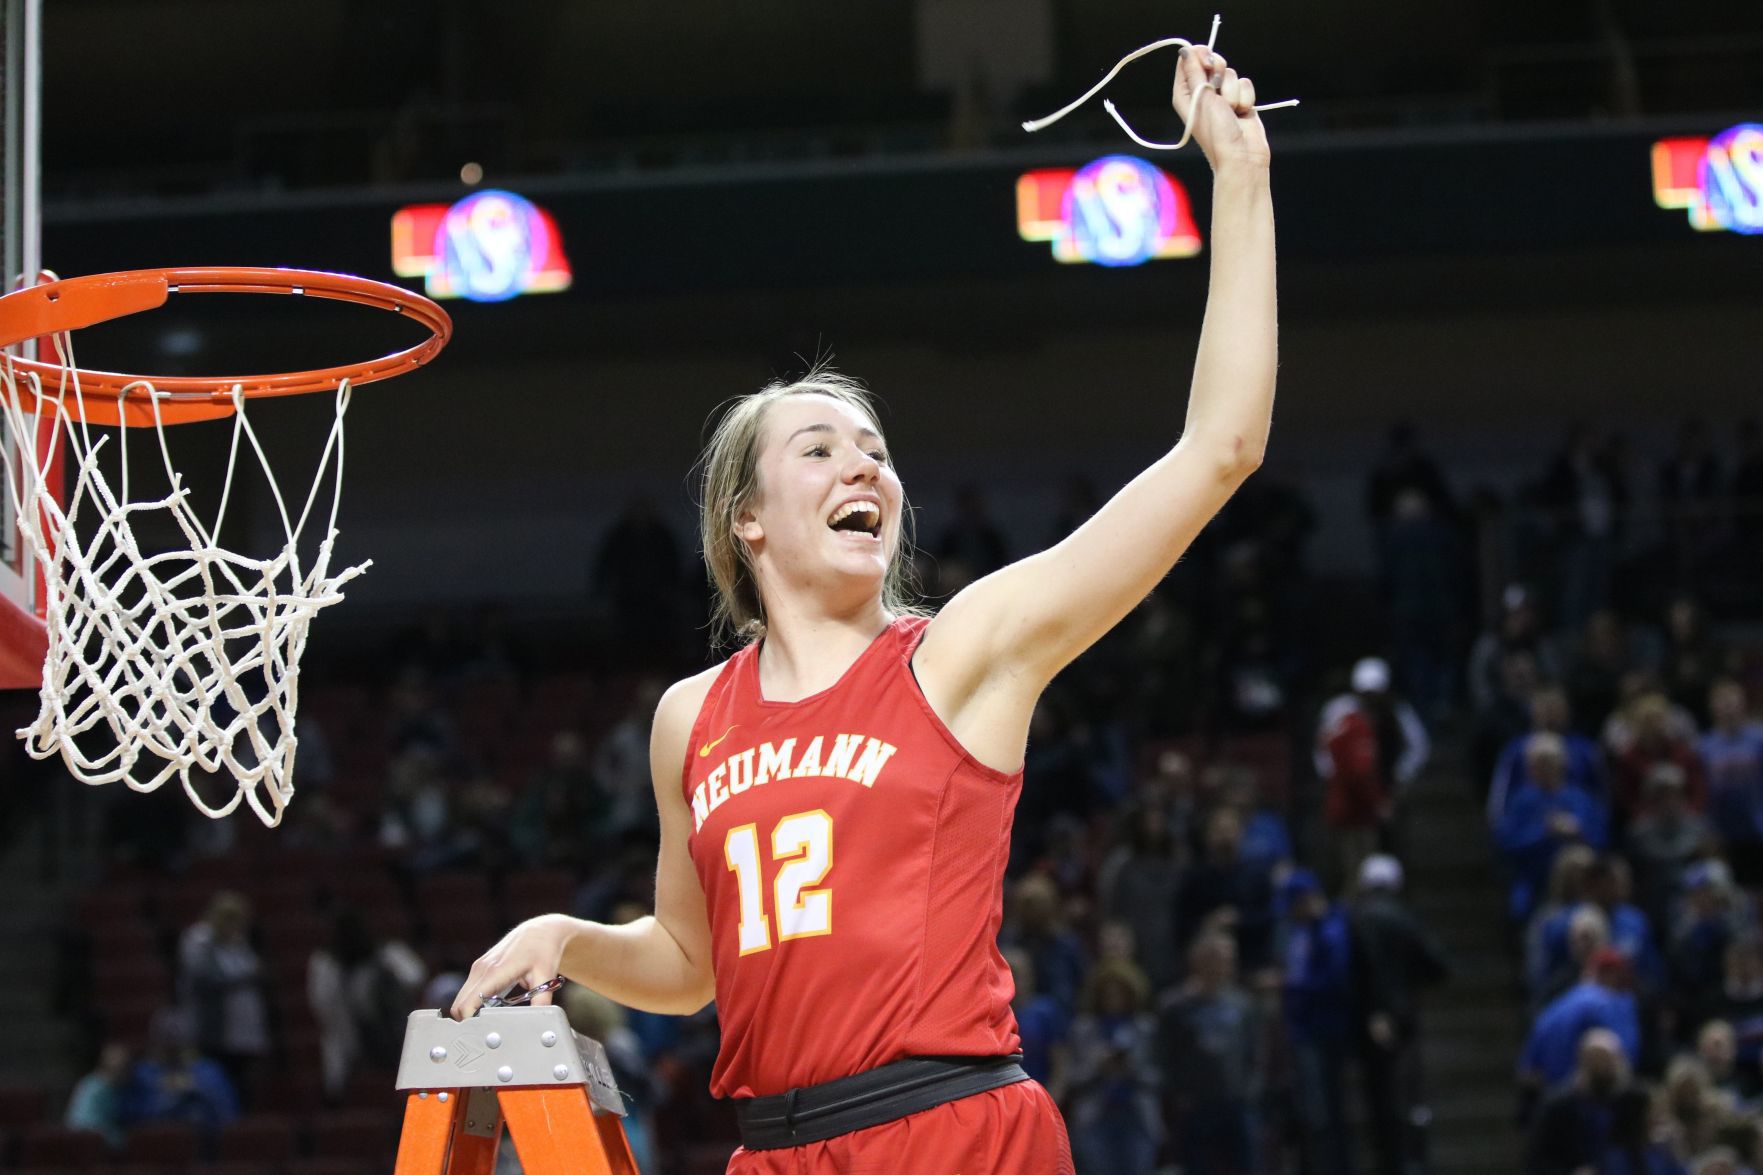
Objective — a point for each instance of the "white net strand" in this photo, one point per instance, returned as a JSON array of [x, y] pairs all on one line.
[[1193, 103], [188, 659]]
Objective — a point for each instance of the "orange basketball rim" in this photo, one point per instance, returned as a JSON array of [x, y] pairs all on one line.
[[112, 398]]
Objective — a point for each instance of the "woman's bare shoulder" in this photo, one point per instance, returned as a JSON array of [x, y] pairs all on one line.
[[678, 710]]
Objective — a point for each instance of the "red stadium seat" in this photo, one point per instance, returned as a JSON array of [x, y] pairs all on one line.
[[161, 1142], [22, 1106], [266, 1138], [366, 1135], [543, 891], [57, 1146], [295, 1089], [333, 1166]]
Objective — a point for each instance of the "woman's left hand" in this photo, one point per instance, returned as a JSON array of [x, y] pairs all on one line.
[[1225, 123]]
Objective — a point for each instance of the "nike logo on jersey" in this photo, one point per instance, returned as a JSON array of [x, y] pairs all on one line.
[[704, 751]]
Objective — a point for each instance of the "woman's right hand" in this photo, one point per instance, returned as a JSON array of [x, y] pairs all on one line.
[[531, 953]]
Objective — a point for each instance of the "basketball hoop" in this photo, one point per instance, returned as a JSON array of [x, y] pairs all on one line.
[[186, 661]]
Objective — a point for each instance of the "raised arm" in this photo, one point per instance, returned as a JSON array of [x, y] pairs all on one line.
[[1034, 617], [656, 964]]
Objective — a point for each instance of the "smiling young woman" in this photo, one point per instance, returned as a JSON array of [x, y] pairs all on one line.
[[836, 798]]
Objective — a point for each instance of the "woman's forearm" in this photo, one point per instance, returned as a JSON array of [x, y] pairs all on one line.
[[638, 964], [1230, 405]]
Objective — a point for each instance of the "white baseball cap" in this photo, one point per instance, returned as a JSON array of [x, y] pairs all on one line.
[[1380, 871], [1371, 675]]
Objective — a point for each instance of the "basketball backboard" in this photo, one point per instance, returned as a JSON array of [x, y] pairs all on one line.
[[21, 628]]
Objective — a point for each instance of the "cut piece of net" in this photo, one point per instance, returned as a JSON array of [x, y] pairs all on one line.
[[179, 664]]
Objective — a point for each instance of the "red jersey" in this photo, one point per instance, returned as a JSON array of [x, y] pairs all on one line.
[[852, 857]]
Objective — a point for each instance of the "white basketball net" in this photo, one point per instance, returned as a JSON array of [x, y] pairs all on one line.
[[182, 664]]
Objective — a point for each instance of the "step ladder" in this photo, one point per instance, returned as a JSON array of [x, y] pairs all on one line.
[[521, 1065]]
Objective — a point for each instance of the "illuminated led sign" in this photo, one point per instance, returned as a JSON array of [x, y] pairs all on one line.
[[489, 247], [1115, 211], [1718, 180]]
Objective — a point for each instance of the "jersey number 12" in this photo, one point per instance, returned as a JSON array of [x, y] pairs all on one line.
[[803, 845]]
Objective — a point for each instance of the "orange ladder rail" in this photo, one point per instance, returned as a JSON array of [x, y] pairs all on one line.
[[522, 1067]]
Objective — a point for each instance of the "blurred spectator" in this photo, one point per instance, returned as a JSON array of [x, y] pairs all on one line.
[[1251, 652], [1655, 742], [1112, 1109], [1369, 745], [1711, 916], [1163, 655], [1549, 712], [637, 581], [621, 768], [1553, 970], [97, 1100], [1138, 883], [1600, 1000], [1518, 629], [1504, 720], [1604, 653], [1692, 660], [1689, 490], [1732, 755], [1398, 958], [417, 721], [1544, 816], [1722, 1160], [174, 1082], [1404, 467], [361, 990], [1422, 568], [1690, 1109], [1635, 1147], [1585, 493], [1267, 839], [1746, 493], [1717, 1050], [220, 985], [1608, 888], [971, 539], [1741, 1001], [1667, 839], [1040, 1022], [1573, 1128], [416, 815], [1317, 998], [561, 816], [1222, 891], [1038, 927], [1566, 892], [1209, 1048]]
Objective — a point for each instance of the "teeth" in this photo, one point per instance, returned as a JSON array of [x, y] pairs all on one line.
[[850, 508]]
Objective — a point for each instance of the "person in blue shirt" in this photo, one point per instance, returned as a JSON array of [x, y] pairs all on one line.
[[1606, 887], [1542, 817], [173, 1082], [1041, 1023], [1549, 711], [1600, 1000], [1732, 755], [1316, 955]]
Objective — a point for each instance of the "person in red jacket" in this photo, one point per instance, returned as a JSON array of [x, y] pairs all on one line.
[[1653, 742], [1369, 744], [836, 798]]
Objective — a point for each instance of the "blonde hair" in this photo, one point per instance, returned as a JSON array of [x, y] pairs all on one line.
[[731, 481]]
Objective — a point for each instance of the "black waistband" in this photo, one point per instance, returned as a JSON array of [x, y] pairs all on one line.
[[816, 1112]]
